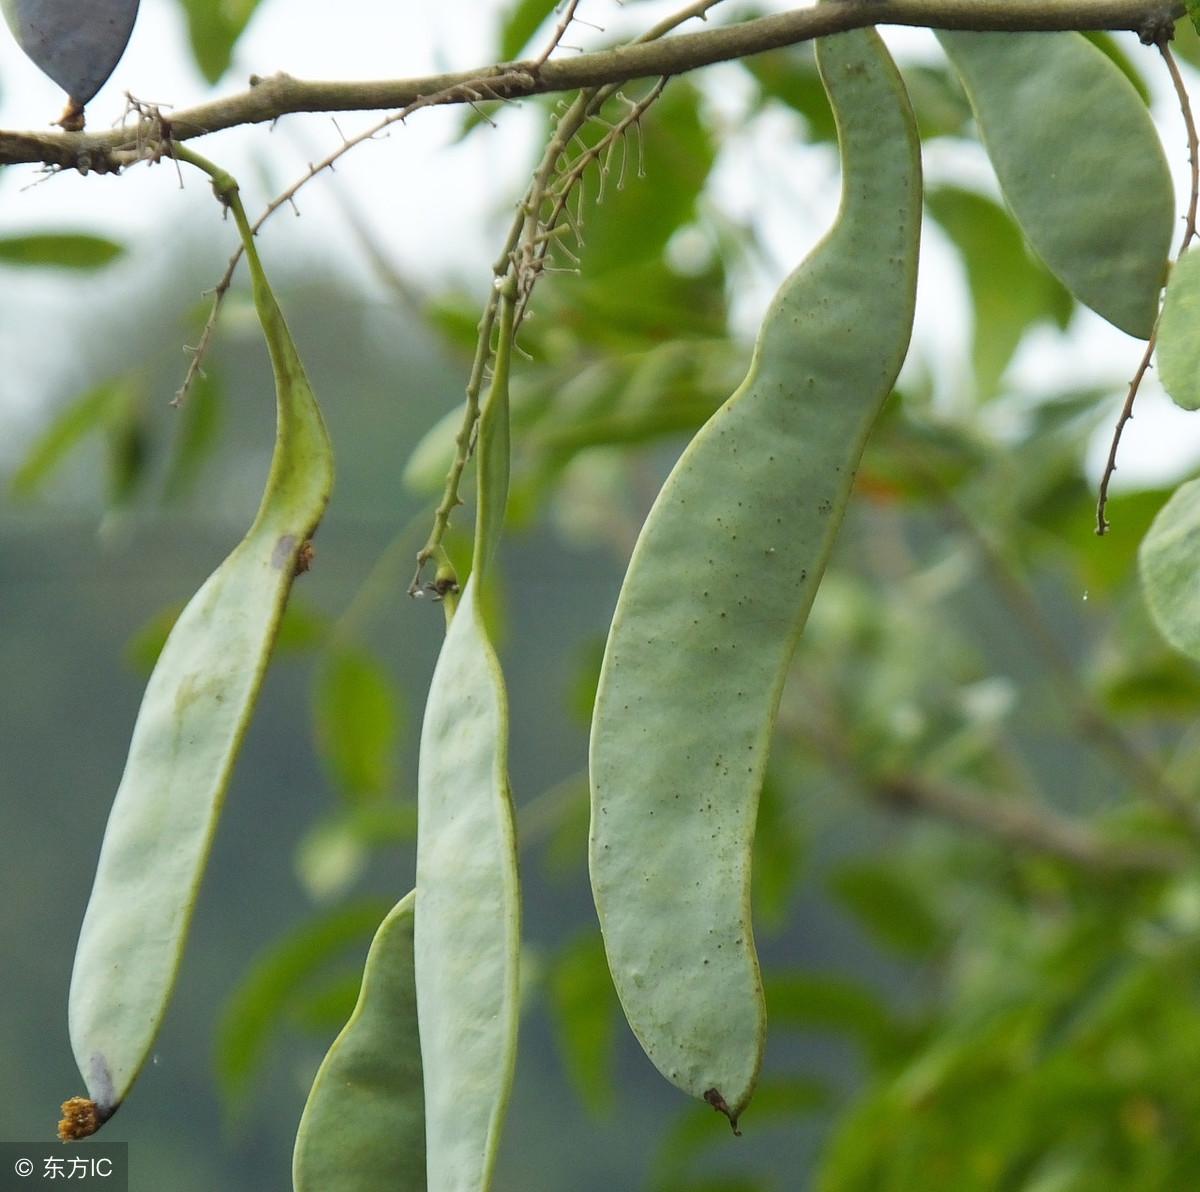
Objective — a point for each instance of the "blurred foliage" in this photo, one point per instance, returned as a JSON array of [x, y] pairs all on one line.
[[284, 983], [1006, 1016], [214, 27], [60, 250]]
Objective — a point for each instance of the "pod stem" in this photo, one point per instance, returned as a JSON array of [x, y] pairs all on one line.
[[493, 431], [225, 187]]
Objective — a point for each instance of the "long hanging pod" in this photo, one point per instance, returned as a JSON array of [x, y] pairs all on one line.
[[717, 593], [193, 716], [467, 935]]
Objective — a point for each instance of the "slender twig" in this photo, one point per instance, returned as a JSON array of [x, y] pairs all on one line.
[[1126, 415], [1026, 826], [560, 29], [1185, 107], [283, 199], [280, 94]]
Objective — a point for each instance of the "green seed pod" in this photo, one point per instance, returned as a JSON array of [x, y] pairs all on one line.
[[717, 593], [468, 908], [363, 1127], [190, 726], [1080, 164], [77, 44]]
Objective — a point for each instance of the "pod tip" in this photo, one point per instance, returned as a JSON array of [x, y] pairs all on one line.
[[714, 1098], [80, 1119]]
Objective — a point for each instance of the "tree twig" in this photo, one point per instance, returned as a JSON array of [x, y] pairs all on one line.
[[219, 291], [1125, 416], [1030, 826], [1034, 828], [278, 95], [1185, 108]]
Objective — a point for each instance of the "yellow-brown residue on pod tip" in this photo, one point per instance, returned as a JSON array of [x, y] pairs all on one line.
[[80, 1119]]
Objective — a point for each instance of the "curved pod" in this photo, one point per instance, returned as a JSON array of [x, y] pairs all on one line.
[[467, 939], [77, 43], [363, 1126], [1080, 164], [190, 726], [717, 593]]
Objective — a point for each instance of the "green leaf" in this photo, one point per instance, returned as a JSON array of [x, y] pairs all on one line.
[[324, 1009], [363, 1127], [889, 907], [1010, 290], [810, 1001], [214, 27], [778, 858], [98, 409], [196, 435], [1079, 162], [64, 250], [790, 76], [128, 452], [1178, 348], [586, 1014], [941, 107], [520, 23], [277, 980], [333, 852], [633, 217], [356, 714], [1193, 12], [1170, 569], [1138, 674], [1187, 42]]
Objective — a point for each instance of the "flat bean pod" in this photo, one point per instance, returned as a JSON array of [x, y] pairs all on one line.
[[717, 593], [193, 716], [1178, 350], [1079, 162], [363, 1127], [468, 909]]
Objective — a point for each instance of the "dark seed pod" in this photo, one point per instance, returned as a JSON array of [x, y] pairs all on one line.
[[77, 44]]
